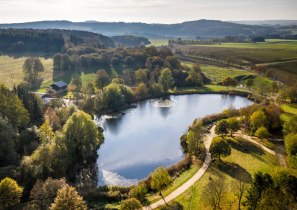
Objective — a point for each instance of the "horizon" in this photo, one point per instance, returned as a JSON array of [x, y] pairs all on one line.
[[120, 21], [153, 11]]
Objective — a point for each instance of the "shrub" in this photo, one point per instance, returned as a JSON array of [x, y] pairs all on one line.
[[262, 132]]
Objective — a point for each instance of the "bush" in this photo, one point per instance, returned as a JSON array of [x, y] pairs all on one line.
[[262, 132], [130, 204]]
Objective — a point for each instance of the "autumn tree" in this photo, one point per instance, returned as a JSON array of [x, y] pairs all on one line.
[[68, 199], [46, 191], [10, 193], [258, 119], [195, 76], [141, 76], [239, 187], [141, 90], [195, 138], [160, 180]]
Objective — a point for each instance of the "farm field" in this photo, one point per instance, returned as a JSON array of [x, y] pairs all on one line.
[[158, 42]]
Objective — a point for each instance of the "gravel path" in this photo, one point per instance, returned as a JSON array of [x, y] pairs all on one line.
[[207, 142]]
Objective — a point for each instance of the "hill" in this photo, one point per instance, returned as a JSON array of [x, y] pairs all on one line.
[[49, 40], [204, 28], [267, 22]]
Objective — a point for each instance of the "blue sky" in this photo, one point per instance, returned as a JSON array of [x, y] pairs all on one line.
[[149, 11]]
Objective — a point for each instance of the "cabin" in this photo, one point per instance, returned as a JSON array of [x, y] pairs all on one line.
[[57, 87]]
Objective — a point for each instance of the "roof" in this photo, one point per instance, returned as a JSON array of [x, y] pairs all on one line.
[[59, 85]]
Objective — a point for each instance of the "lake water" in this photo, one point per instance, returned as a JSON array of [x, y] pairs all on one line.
[[148, 136]]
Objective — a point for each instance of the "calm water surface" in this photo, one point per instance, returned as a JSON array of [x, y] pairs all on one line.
[[148, 136]]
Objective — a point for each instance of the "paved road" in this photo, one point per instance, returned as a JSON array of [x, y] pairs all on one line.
[[207, 142]]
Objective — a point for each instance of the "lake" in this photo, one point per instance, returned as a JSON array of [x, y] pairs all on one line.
[[148, 136]]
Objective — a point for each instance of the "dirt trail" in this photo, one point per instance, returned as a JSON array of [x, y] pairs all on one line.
[[207, 142]]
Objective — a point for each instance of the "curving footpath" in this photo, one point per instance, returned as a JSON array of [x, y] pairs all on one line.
[[194, 179], [281, 159]]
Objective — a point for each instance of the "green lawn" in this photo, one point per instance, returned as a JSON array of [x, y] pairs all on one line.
[[245, 160]]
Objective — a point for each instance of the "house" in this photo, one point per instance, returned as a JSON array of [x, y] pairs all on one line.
[[57, 87]]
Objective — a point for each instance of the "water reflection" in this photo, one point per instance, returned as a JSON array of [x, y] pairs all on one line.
[[148, 136]]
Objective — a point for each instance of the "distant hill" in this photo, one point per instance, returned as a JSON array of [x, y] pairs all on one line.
[[204, 28], [49, 40], [267, 22]]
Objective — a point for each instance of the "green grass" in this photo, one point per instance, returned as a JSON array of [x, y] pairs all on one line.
[[158, 42], [245, 158], [290, 110], [11, 70]]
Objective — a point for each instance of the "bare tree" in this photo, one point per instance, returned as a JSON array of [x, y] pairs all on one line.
[[214, 192], [238, 189]]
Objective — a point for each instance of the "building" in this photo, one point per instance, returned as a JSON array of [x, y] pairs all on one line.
[[57, 87]]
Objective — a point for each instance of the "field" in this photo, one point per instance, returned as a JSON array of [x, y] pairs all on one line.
[[11, 70], [290, 110], [279, 56], [245, 160], [158, 42]]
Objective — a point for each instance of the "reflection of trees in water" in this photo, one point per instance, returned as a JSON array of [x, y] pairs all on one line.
[[165, 111], [113, 125]]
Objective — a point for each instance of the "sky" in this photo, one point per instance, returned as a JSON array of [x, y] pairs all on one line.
[[148, 11]]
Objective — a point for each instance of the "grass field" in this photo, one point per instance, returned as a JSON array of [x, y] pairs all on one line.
[[290, 110], [158, 42], [11, 70], [244, 161]]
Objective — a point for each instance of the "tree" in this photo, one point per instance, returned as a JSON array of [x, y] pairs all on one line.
[[7, 143], [262, 132], [195, 138], [102, 79], [139, 192], [82, 139], [291, 144], [160, 180], [214, 192], [68, 199], [228, 81], [233, 125], [57, 60], [290, 126], [166, 79], [10, 193], [45, 132], [221, 128], [195, 76], [141, 90], [45, 191], [259, 184], [249, 83], [141, 76], [76, 81], [113, 97], [219, 147], [258, 119], [239, 189], [130, 204], [12, 108]]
